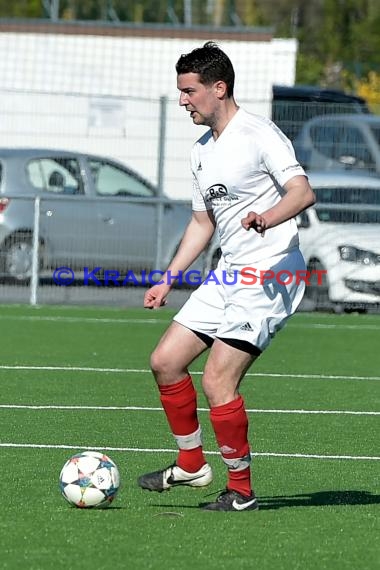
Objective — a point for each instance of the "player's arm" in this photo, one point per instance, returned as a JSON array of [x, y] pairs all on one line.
[[298, 196], [195, 239]]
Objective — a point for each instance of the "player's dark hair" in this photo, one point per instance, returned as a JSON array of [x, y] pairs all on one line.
[[211, 64]]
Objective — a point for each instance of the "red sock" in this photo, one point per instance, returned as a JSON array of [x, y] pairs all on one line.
[[180, 404], [230, 423]]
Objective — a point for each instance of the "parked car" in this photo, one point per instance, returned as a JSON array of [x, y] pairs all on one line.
[[93, 212], [340, 141], [293, 105], [340, 234]]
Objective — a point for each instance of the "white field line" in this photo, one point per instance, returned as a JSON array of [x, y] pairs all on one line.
[[157, 409], [150, 450], [194, 373], [339, 327], [115, 321], [84, 320]]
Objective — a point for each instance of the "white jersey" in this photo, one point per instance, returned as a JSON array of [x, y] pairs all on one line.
[[242, 171]]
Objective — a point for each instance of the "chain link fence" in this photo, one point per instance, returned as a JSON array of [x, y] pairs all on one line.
[[109, 93]]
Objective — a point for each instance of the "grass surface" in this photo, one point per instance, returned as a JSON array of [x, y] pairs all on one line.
[[69, 378]]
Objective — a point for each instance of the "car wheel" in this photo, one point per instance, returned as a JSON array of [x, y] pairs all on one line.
[[318, 290], [16, 259]]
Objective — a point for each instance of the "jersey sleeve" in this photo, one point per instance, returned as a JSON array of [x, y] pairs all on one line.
[[198, 203], [278, 157]]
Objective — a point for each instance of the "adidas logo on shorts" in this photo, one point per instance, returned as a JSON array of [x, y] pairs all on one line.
[[246, 327]]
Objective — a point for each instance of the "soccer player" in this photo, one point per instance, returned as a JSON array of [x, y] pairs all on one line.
[[245, 177]]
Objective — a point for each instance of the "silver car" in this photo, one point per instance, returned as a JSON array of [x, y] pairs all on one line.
[[91, 212], [340, 141]]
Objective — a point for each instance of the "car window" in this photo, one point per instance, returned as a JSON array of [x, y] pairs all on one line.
[[325, 138], [343, 143], [110, 180], [353, 144], [56, 175]]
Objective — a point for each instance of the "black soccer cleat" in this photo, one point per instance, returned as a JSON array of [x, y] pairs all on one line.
[[174, 476], [232, 501]]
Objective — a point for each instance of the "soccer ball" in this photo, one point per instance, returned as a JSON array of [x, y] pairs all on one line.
[[89, 480]]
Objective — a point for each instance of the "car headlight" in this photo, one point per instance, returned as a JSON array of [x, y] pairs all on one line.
[[356, 255]]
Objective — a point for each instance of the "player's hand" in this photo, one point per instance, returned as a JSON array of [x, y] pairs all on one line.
[[255, 221], [155, 297]]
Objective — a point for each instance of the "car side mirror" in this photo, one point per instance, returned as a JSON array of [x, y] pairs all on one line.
[[302, 220], [350, 161]]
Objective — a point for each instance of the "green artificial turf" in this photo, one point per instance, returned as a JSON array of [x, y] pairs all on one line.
[[74, 378]]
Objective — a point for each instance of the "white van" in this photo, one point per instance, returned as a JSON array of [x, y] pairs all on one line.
[[340, 240]]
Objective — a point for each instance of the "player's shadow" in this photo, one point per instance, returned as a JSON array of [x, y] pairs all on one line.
[[319, 499]]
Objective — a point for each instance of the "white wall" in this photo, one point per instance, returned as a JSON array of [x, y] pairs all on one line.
[[101, 94]]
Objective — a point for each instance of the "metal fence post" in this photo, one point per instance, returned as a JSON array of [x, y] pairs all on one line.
[[35, 252], [160, 181]]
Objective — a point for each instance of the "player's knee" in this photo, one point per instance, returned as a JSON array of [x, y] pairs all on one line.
[[216, 391], [157, 361], [163, 365]]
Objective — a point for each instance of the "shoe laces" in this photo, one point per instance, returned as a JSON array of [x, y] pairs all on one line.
[[169, 470]]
